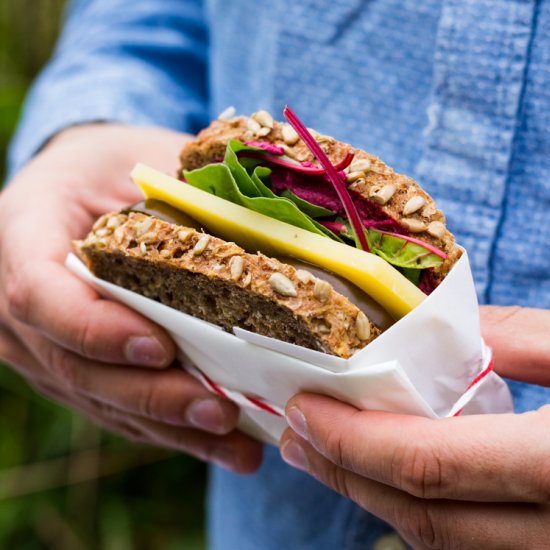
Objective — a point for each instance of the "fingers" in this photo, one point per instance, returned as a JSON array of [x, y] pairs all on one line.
[[72, 314], [170, 396], [78, 341], [519, 338], [36, 288], [424, 523], [478, 458], [13, 352], [168, 408], [233, 451], [156, 147]]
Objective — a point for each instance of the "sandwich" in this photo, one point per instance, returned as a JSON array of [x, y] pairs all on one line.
[[279, 230]]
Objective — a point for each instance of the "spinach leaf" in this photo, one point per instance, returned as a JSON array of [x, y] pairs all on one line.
[[245, 182], [231, 181]]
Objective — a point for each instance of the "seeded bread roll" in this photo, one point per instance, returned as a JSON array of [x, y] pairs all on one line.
[[399, 196], [219, 282]]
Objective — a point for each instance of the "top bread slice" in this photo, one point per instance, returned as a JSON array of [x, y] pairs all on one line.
[[399, 196]]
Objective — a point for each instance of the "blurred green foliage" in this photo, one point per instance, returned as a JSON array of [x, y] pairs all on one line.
[[27, 32], [65, 484]]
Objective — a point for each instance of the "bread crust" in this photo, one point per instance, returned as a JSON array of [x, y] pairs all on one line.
[[144, 254], [425, 222]]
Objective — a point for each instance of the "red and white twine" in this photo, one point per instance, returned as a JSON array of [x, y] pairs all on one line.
[[471, 390], [235, 396], [260, 404]]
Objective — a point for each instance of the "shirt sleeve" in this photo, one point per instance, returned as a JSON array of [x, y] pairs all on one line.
[[140, 62]]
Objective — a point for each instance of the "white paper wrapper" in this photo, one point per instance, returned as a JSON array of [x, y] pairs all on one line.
[[425, 364]]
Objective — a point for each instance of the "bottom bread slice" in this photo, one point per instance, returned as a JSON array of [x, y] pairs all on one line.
[[219, 282]]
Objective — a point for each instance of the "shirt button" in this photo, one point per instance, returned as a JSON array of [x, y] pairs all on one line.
[[390, 542]]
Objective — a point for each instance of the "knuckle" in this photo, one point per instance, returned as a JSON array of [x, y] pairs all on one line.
[[17, 297], [421, 522], [63, 365], [11, 351], [335, 447], [148, 403], [110, 418], [85, 335], [338, 479], [132, 435], [126, 429], [538, 483], [542, 482], [419, 470], [162, 397], [46, 390]]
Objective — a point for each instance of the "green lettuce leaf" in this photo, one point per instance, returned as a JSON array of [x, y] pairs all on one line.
[[259, 176], [231, 181], [409, 257], [400, 252], [245, 182]]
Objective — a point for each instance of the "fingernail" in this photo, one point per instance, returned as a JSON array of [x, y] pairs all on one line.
[[207, 414], [293, 454], [146, 351], [297, 421]]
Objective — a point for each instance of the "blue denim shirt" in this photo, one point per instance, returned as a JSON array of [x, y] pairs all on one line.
[[455, 93]]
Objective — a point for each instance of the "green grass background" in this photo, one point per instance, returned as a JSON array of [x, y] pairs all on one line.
[[64, 483]]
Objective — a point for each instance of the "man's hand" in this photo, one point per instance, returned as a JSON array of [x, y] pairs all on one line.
[[468, 482], [461, 483], [95, 355], [520, 339]]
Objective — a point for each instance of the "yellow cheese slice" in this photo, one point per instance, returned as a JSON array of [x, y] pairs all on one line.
[[254, 231]]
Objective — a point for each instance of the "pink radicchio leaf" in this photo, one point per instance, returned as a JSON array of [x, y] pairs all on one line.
[[306, 167], [333, 176], [266, 146]]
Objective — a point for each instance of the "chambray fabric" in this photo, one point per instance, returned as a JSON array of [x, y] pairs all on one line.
[[455, 93]]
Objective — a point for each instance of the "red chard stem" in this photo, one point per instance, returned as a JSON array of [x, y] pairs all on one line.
[[333, 176]]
